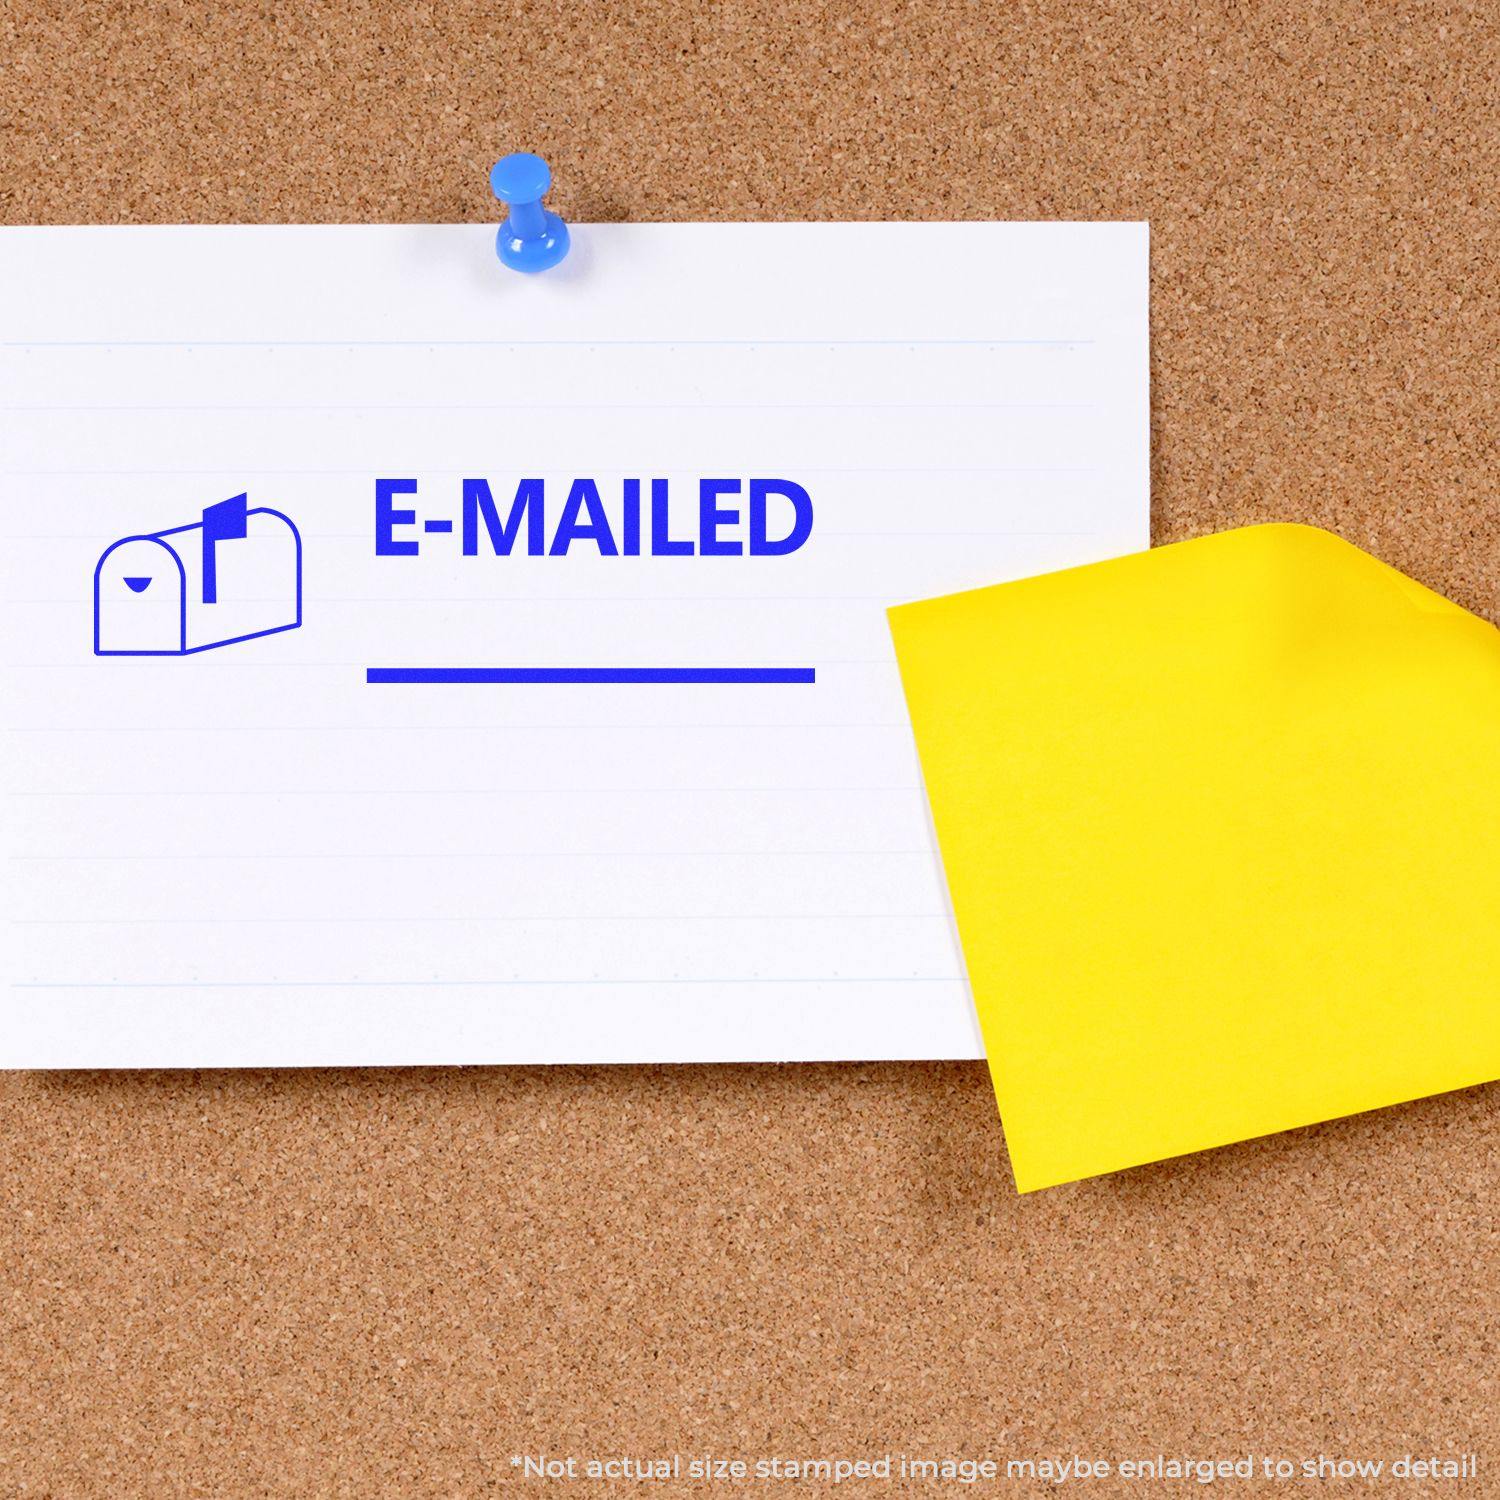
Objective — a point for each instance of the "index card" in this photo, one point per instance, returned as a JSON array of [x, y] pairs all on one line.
[[408, 661]]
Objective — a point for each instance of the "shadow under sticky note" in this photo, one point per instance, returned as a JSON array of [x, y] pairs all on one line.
[[1220, 827]]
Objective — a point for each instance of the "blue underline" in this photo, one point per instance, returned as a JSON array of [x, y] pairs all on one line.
[[589, 674]]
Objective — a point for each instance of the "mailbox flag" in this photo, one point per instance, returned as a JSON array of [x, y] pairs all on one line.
[[222, 522]]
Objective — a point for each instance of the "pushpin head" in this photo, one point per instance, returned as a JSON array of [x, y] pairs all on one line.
[[531, 238]]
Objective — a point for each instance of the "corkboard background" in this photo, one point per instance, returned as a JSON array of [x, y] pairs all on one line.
[[386, 1283]]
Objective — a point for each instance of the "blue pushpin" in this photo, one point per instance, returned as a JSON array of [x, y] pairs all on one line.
[[531, 238]]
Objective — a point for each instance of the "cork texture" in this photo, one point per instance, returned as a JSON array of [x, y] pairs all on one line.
[[391, 1282]]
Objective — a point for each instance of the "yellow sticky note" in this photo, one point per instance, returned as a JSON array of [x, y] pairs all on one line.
[[1221, 827]]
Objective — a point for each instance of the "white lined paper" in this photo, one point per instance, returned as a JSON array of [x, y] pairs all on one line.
[[253, 857]]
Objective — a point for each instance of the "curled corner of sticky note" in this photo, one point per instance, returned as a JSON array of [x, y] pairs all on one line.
[[1219, 826]]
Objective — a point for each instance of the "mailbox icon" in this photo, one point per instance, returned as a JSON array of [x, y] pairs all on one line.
[[232, 576]]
